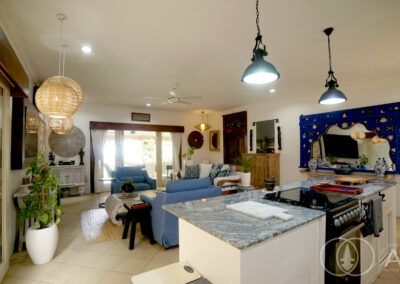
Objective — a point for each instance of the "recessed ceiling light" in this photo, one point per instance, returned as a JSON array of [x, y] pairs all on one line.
[[148, 104], [86, 49], [272, 90]]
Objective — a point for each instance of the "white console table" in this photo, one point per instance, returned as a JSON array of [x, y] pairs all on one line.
[[71, 176]]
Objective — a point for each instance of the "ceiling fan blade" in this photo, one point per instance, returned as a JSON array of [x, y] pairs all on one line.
[[183, 102], [172, 93], [165, 103], [151, 98], [191, 97]]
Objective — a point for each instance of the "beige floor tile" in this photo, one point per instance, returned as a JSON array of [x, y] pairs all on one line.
[[153, 264], [171, 254], [12, 280], [145, 250], [116, 277], [386, 281], [87, 275], [106, 261], [76, 256], [130, 264]]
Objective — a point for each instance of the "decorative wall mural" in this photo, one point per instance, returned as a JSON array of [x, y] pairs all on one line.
[[68, 145], [382, 119]]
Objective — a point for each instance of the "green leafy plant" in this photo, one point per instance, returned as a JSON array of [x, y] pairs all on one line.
[[189, 153], [331, 158], [245, 162], [128, 185], [363, 160], [41, 203]]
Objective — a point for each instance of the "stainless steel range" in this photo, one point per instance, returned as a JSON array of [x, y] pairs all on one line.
[[343, 224]]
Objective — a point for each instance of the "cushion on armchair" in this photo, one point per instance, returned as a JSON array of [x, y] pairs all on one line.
[[192, 172]]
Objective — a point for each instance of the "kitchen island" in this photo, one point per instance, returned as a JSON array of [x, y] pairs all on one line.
[[229, 247]]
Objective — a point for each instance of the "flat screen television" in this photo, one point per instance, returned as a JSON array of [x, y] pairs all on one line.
[[341, 146]]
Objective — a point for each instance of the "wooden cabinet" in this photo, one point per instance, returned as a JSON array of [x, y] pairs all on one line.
[[71, 176], [376, 250], [264, 166]]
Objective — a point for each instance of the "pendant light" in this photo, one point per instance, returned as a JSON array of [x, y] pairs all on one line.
[[203, 126], [332, 95], [259, 71], [32, 123], [61, 125], [59, 96]]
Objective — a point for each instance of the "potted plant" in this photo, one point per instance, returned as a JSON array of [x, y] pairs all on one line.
[[246, 163], [42, 206], [188, 156], [363, 161], [128, 187], [331, 159]]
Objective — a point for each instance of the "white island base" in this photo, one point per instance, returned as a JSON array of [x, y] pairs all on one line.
[[291, 257]]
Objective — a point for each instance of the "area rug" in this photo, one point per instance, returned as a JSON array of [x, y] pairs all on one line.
[[97, 227]]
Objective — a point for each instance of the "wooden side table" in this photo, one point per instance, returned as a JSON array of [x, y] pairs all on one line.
[[138, 213]]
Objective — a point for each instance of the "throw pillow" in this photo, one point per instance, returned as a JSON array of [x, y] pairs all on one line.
[[192, 172], [215, 169], [224, 173]]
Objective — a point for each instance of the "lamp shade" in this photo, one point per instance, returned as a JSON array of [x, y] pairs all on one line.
[[260, 71], [59, 97], [32, 123], [332, 95], [61, 125]]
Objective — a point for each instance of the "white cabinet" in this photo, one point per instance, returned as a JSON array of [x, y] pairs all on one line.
[[376, 250], [71, 176]]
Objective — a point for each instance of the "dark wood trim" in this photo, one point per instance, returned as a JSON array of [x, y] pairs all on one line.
[[135, 126], [17, 133], [91, 165], [12, 69]]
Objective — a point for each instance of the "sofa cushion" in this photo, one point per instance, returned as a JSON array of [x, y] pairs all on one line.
[[192, 172], [124, 172], [187, 184], [136, 179], [215, 168], [205, 170], [142, 186], [224, 173]]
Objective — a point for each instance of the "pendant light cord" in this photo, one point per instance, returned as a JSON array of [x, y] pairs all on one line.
[[329, 51], [259, 44], [258, 20], [331, 77], [60, 47]]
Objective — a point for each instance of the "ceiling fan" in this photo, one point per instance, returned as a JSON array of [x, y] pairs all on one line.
[[174, 99]]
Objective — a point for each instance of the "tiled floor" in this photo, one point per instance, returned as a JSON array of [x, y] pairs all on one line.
[[108, 262], [77, 262]]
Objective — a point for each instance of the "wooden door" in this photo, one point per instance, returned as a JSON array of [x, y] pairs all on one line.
[[235, 136]]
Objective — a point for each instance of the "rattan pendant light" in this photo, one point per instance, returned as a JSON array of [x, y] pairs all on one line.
[[32, 123], [59, 96], [203, 126], [61, 125]]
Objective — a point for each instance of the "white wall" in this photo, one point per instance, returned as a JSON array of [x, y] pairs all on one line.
[[104, 113]]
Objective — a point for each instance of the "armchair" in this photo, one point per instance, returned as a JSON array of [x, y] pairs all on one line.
[[165, 225], [137, 174]]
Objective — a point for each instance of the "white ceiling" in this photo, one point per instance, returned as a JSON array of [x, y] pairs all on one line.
[[141, 48]]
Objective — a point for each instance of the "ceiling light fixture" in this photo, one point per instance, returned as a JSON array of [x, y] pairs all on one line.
[[61, 126], [259, 71], [203, 126], [86, 49], [148, 104], [59, 96], [272, 90], [332, 95]]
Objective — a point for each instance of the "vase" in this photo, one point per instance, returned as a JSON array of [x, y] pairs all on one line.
[[246, 178], [41, 244]]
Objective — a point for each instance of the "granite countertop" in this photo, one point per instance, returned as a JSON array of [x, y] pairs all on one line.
[[242, 231], [239, 230], [369, 188]]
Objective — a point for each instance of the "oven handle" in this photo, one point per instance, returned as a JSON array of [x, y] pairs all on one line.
[[355, 229]]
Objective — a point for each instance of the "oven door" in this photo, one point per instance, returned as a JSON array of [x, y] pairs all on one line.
[[343, 256]]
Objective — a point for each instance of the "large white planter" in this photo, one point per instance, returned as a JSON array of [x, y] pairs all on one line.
[[245, 178], [187, 163], [42, 243]]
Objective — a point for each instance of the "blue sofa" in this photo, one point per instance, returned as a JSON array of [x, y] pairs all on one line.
[[137, 174], [165, 225]]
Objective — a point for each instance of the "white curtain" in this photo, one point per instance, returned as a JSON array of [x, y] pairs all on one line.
[[119, 148], [176, 139], [98, 141]]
